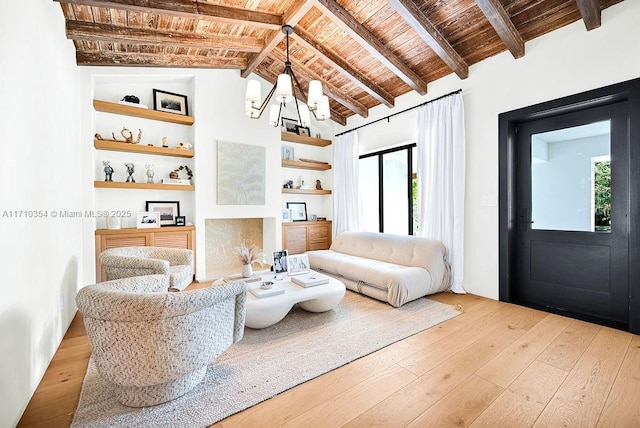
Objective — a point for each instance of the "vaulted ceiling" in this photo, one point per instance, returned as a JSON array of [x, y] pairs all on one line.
[[365, 53]]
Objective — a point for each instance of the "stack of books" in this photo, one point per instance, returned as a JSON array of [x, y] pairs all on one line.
[[261, 292], [310, 279]]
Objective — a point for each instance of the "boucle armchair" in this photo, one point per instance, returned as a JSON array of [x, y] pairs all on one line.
[[153, 345], [124, 262]]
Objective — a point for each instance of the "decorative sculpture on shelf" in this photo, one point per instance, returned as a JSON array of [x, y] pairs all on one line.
[[165, 142], [130, 170], [128, 136], [182, 168], [184, 145], [150, 173], [108, 171], [318, 185]]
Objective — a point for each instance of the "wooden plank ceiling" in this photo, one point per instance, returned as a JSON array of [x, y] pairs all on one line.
[[365, 53]]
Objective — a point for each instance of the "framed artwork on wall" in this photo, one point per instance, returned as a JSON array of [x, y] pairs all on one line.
[[298, 211], [170, 102], [168, 211], [147, 219]]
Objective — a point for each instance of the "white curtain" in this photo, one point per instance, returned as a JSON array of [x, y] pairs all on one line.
[[440, 175], [345, 183]]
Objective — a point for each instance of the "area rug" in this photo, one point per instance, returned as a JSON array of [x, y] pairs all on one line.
[[269, 361]]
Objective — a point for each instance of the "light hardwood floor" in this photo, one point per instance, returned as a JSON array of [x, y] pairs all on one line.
[[495, 365]]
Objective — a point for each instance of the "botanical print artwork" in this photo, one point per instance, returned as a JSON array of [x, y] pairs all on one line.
[[241, 174]]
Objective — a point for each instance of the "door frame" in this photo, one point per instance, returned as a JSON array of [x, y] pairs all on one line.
[[628, 92]]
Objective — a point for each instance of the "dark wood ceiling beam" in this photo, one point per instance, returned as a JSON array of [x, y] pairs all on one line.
[[378, 50], [270, 77], [292, 17], [80, 30], [190, 9], [413, 16], [153, 60], [501, 22], [343, 67], [328, 89], [591, 14]]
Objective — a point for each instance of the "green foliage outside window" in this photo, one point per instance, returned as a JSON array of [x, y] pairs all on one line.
[[602, 178]]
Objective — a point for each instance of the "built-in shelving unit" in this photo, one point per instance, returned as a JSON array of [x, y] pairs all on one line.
[[145, 186], [306, 191], [140, 148], [303, 139], [318, 166], [144, 113]]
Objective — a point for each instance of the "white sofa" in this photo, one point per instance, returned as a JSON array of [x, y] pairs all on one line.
[[393, 268]]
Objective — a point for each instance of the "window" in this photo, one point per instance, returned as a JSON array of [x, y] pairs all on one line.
[[388, 191]]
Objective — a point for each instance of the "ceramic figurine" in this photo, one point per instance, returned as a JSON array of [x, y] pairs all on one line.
[[150, 173], [318, 185], [108, 171], [130, 170], [165, 142]]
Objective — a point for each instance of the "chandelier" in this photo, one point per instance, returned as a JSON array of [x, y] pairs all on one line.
[[286, 92]]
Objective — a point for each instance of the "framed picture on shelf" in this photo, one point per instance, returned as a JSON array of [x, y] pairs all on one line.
[[287, 152], [167, 210], [170, 102], [298, 211], [286, 215], [181, 220], [147, 219], [298, 264], [304, 130], [280, 261], [290, 125]]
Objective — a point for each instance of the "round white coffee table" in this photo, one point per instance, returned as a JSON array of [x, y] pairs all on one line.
[[266, 311]]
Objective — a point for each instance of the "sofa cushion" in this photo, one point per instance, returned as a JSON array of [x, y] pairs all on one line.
[[180, 276]]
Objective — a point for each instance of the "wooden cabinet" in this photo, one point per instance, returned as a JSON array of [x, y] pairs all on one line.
[[170, 236], [301, 236]]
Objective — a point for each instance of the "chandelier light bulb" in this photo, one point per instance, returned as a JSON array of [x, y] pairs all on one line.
[[315, 94], [284, 90], [305, 116], [323, 109], [274, 114], [253, 93]]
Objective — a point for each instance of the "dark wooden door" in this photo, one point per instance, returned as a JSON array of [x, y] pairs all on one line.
[[572, 246]]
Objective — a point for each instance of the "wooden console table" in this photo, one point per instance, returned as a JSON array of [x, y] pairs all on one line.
[[170, 236]]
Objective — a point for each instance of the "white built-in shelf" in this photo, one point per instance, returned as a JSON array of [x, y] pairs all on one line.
[[318, 166], [303, 139], [145, 113], [306, 191], [145, 186], [141, 148]]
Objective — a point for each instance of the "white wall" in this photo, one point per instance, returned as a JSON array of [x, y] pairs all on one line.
[[39, 172], [564, 62]]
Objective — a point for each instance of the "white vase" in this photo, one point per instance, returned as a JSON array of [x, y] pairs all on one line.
[[114, 222], [247, 271]]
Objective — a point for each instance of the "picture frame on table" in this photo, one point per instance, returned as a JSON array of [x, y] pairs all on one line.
[[290, 125], [147, 219], [287, 152], [286, 215], [280, 261], [298, 264], [167, 210], [298, 211], [170, 102], [304, 130], [181, 220]]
